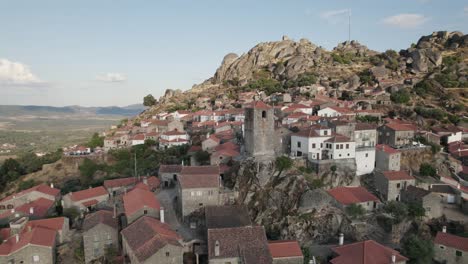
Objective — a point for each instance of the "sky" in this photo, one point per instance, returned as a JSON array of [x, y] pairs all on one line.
[[114, 52]]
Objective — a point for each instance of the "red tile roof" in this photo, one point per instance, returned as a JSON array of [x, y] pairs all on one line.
[[351, 195], [284, 249], [453, 241], [148, 235], [139, 198], [138, 137], [88, 194], [90, 203], [338, 139], [365, 252], [56, 223], [401, 127], [170, 168], [38, 236], [259, 105], [122, 182], [199, 177], [386, 148], [153, 182], [174, 133], [40, 207], [100, 217], [397, 175], [43, 188]]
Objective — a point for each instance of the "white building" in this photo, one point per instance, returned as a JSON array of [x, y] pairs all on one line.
[[339, 147], [333, 111], [310, 142], [365, 136], [173, 138]]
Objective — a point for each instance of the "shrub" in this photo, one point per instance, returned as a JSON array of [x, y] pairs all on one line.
[[427, 169], [398, 210], [418, 250], [400, 97], [26, 184], [415, 210], [355, 210], [304, 79], [422, 88]]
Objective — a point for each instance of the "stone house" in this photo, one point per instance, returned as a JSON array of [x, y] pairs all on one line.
[[149, 241], [168, 174], [396, 134], [30, 245], [364, 252], [139, 202], [448, 134], [162, 126], [100, 232], [119, 186], [346, 196], [224, 153], [85, 199], [387, 158], [286, 252], [60, 224], [431, 202], [450, 249], [210, 143], [226, 216], [259, 130], [391, 183], [236, 245], [198, 186], [112, 142], [40, 193]]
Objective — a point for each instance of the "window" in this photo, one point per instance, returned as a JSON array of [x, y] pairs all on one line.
[[200, 204], [325, 132], [337, 146], [298, 144], [442, 247], [321, 145], [398, 185], [145, 212], [96, 252], [347, 146], [367, 155], [458, 253], [167, 254], [36, 258], [210, 192], [313, 145], [264, 114], [192, 193], [199, 193], [299, 153], [348, 154]]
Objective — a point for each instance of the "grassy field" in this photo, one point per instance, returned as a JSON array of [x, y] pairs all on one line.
[[48, 134]]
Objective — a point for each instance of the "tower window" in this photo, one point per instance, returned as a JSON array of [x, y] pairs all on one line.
[[263, 114]]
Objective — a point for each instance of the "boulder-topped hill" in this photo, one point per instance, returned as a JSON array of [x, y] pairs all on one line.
[[440, 58]]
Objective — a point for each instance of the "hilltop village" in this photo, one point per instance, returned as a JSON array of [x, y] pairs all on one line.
[[311, 174]]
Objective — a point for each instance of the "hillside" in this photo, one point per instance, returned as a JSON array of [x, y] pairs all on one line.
[[434, 66], [51, 111]]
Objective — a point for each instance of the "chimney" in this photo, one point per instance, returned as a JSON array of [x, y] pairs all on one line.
[[51, 185], [341, 239], [17, 238], [216, 249], [458, 186], [161, 214], [393, 258], [13, 210], [145, 180], [444, 229], [115, 211], [31, 210]]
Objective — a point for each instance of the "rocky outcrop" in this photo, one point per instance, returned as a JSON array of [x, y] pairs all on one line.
[[355, 48], [283, 59]]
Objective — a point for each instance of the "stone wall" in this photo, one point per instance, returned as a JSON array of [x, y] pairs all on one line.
[[46, 255], [99, 237]]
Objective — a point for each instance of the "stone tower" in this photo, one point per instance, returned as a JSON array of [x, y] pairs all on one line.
[[259, 130]]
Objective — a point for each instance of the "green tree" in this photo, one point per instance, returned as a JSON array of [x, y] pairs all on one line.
[[418, 250], [355, 210], [401, 96], [149, 100], [415, 210], [398, 211], [283, 163], [23, 185], [426, 169], [87, 170], [96, 141], [202, 157]]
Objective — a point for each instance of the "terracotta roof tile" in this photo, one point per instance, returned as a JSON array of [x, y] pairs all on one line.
[[285, 249], [199, 177], [56, 223], [226, 216], [365, 252], [148, 235], [139, 198], [43, 188], [177, 168], [352, 195], [386, 148], [88, 194], [259, 105], [248, 243], [100, 217], [122, 182], [397, 175], [37, 236], [453, 241]]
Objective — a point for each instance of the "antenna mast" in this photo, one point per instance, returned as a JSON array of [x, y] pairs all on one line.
[[349, 25]]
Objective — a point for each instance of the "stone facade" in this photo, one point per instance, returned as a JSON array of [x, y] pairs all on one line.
[[195, 198], [387, 161], [259, 130], [431, 202], [169, 254], [395, 138], [97, 239], [391, 189], [30, 253], [291, 260], [148, 211], [449, 255]]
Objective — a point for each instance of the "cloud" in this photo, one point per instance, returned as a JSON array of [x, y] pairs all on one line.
[[335, 16], [405, 20], [465, 10], [112, 77], [16, 73]]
